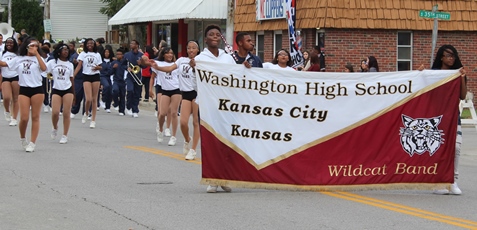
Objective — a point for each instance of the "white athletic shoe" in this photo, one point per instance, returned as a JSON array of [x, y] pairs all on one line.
[[454, 189], [186, 147], [54, 132], [116, 108], [92, 125], [72, 115], [172, 141], [30, 147], [64, 139], [46, 109], [167, 132], [24, 143], [212, 188], [102, 104], [108, 111], [13, 122], [128, 112], [84, 119], [135, 115], [190, 155], [160, 137], [8, 116], [121, 114]]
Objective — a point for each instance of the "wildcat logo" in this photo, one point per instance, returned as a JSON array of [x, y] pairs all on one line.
[[61, 72], [26, 66], [420, 135], [90, 61]]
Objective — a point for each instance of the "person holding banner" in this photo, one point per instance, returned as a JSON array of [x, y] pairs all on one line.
[[244, 54], [213, 53], [282, 60], [448, 58]]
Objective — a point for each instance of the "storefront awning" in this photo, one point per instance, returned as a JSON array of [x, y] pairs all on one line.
[[136, 11]]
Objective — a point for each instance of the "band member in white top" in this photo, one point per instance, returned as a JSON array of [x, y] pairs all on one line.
[[155, 82], [213, 53], [29, 64], [10, 87], [63, 89], [188, 86], [91, 61], [171, 95]]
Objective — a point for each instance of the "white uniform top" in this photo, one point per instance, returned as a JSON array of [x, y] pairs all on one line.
[[6, 71], [206, 55], [90, 60], [28, 70], [187, 80], [157, 80], [168, 81], [62, 72], [43, 74], [269, 65]]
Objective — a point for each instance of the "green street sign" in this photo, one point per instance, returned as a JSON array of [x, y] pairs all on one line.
[[438, 15]]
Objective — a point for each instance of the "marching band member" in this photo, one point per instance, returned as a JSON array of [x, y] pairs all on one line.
[[10, 86], [78, 81], [215, 54], [187, 86], [119, 84], [29, 64], [155, 82], [168, 102], [133, 58], [105, 74], [62, 90], [90, 60]]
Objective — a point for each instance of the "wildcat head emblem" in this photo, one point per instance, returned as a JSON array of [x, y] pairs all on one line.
[[420, 135]]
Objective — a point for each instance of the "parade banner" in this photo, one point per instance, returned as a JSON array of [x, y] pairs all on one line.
[[295, 49], [267, 128]]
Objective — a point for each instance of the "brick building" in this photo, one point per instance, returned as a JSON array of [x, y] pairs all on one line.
[[350, 30]]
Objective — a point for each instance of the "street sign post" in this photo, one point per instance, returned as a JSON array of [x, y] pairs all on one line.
[[432, 15]]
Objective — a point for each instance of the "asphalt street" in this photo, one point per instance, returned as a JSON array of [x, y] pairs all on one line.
[[118, 177]]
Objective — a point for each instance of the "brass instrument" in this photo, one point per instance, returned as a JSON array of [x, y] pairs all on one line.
[[134, 72], [49, 83], [79, 50]]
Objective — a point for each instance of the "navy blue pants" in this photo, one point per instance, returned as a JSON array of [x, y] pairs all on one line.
[[79, 95], [119, 95], [133, 95], [107, 91]]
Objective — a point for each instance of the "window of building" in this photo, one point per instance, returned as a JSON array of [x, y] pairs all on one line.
[[277, 41], [260, 45], [404, 51]]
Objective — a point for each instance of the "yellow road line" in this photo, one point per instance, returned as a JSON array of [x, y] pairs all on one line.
[[463, 223], [163, 153], [405, 209]]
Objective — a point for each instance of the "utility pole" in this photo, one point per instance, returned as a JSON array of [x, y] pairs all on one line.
[[434, 34], [10, 12], [46, 13]]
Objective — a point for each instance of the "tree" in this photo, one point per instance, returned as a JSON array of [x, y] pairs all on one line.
[[134, 31], [112, 6], [27, 15]]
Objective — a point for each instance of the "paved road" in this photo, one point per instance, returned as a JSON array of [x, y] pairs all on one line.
[[118, 177]]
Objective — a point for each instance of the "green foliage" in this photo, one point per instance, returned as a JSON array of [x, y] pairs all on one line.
[[112, 7], [27, 15]]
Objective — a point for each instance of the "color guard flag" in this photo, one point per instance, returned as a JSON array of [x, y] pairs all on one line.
[[267, 128]]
